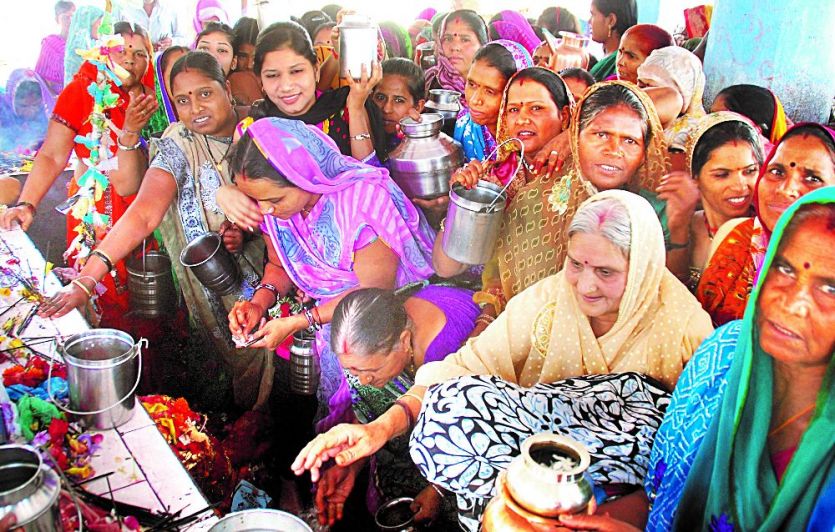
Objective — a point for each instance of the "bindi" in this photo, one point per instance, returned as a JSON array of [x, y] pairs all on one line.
[[792, 165], [806, 265]]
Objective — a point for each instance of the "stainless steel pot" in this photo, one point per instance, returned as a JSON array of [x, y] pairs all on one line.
[[304, 363], [29, 488], [357, 45], [423, 163], [447, 104], [260, 521], [150, 285], [472, 226], [211, 263], [396, 515], [549, 477], [103, 371]]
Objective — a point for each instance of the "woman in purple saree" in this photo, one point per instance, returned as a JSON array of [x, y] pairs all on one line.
[[332, 225]]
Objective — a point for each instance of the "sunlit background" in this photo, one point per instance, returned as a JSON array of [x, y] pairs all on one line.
[[25, 22]]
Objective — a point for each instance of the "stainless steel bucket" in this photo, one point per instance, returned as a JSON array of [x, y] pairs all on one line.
[[357, 46], [304, 363], [150, 285], [471, 229], [211, 263], [103, 370], [260, 521], [423, 163], [29, 488]]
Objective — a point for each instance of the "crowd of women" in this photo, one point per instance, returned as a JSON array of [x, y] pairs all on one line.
[[638, 219]]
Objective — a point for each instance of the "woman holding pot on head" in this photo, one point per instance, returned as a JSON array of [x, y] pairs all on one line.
[[803, 160], [381, 338], [592, 352], [476, 126], [462, 33], [746, 442], [70, 119], [332, 225], [177, 196]]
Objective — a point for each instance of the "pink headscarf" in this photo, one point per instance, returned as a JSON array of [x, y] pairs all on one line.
[[514, 27], [207, 9]]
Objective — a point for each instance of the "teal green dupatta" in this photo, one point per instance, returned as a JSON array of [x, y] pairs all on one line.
[[732, 484]]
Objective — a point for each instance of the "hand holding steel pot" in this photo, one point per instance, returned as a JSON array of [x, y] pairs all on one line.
[[549, 478]]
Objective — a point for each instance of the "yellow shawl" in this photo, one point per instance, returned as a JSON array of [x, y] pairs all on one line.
[[543, 336], [532, 241]]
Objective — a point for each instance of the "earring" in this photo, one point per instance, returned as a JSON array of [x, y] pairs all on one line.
[[610, 33]]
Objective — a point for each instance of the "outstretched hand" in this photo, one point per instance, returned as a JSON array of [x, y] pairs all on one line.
[[345, 443]]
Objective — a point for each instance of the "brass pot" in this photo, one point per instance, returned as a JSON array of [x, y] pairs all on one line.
[[549, 477], [503, 513]]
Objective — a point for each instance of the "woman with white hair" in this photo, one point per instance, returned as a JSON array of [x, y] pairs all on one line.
[[590, 352]]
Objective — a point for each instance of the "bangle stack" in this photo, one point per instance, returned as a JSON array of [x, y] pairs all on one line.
[[484, 319], [83, 288], [104, 257], [270, 287], [128, 148], [314, 321]]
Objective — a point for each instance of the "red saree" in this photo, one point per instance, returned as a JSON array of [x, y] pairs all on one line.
[[72, 109]]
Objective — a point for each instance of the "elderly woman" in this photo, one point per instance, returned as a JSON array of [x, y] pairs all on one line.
[[493, 65], [675, 68], [746, 443], [803, 161], [616, 142], [69, 121], [724, 157], [381, 339], [332, 225], [176, 196], [611, 318], [462, 33]]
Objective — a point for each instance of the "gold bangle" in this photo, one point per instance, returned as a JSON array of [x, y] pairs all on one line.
[[79, 284]]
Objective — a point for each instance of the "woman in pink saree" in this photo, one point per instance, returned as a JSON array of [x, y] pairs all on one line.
[[332, 225]]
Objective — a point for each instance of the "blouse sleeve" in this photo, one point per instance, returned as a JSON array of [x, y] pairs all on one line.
[[502, 348], [73, 105]]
